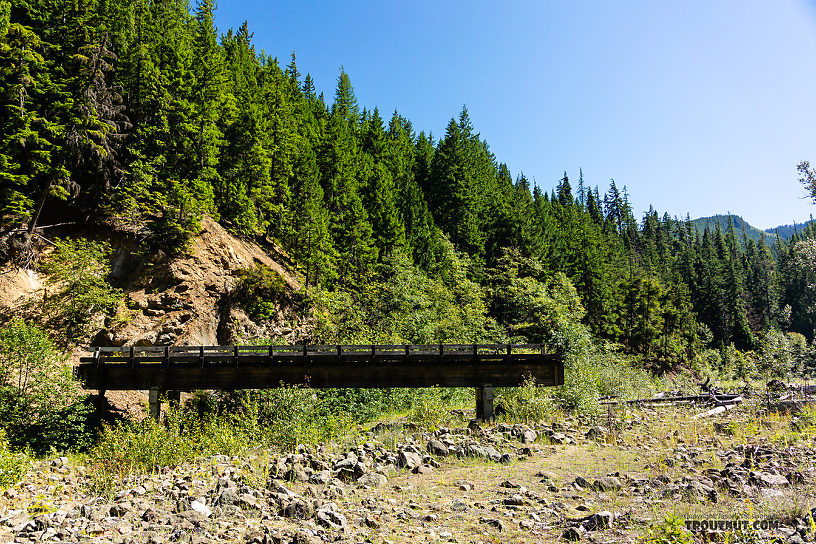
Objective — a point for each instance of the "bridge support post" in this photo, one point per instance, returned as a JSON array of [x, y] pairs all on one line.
[[484, 402], [154, 404]]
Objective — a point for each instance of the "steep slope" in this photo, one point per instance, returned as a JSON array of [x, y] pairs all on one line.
[[187, 300], [175, 301]]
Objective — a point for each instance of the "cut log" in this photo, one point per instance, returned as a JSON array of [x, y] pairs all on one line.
[[719, 409], [720, 399]]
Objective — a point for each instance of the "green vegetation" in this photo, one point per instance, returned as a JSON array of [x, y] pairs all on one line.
[[526, 404], [260, 290], [78, 290], [736, 222], [671, 530], [13, 465], [40, 402], [146, 120], [225, 424], [138, 115]]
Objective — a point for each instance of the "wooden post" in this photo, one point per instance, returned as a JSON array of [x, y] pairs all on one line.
[[153, 404], [484, 402]]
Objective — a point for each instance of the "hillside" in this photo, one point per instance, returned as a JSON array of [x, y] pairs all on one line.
[[710, 223], [188, 299], [786, 231]]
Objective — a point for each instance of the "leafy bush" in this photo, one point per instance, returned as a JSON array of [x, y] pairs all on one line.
[[139, 447], [296, 415], [13, 466], [404, 304], [169, 234], [784, 355], [671, 530], [526, 404], [361, 405], [260, 290], [431, 407], [78, 271], [224, 423], [40, 401]]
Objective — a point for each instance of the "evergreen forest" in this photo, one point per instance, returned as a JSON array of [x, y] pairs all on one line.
[[140, 117]]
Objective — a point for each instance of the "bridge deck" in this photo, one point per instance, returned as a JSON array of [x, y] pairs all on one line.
[[360, 366]]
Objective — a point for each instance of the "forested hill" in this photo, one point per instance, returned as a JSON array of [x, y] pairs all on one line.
[[786, 231], [141, 117], [737, 223]]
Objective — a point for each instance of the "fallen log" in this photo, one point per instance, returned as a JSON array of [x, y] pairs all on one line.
[[675, 400], [720, 409]]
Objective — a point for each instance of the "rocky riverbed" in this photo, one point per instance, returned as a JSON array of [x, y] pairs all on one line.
[[472, 483]]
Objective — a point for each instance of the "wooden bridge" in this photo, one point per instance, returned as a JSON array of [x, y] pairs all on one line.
[[171, 369]]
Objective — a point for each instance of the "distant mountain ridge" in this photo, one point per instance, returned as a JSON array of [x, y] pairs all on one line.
[[711, 222], [786, 231]]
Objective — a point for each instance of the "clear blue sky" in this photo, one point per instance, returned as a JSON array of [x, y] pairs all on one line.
[[696, 106]]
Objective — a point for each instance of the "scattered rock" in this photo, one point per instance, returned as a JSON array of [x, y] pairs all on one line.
[[765, 479], [607, 483], [582, 482], [435, 447], [515, 500], [595, 433], [409, 460], [328, 516], [573, 533], [600, 520], [372, 479], [298, 509], [495, 523], [201, 508]]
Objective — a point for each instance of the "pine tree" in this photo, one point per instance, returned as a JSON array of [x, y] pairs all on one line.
[[28, 143]]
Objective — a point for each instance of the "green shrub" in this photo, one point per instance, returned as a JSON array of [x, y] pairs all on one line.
[[526, 404], [260, 291], [671, 530], [78, 288], [361, 405], [296, 415], [170, 234], [227, 423], [430, 410], [41, 404], [13, 466]]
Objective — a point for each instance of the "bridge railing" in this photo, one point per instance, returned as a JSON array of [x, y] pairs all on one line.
[[260, 353]]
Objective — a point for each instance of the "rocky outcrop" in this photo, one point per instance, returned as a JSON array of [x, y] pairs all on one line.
[[189, 300]]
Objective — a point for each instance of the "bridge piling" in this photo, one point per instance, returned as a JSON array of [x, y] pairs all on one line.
[[484, 403], [154, 404]]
